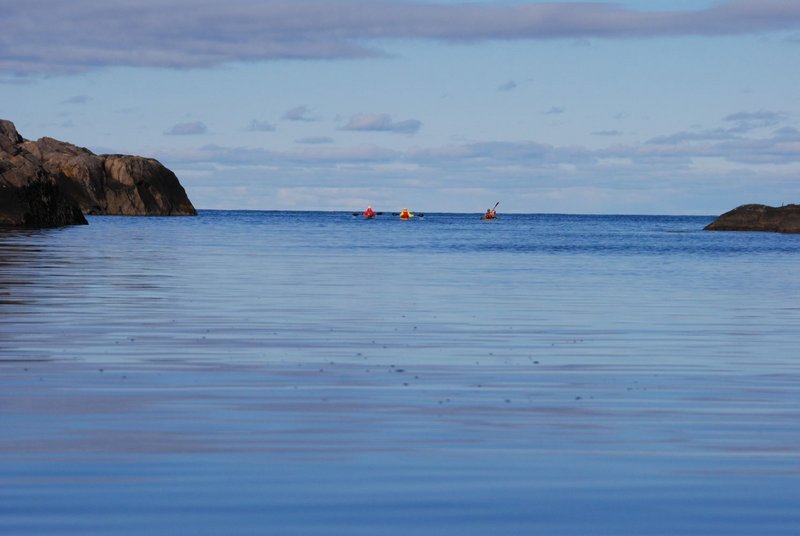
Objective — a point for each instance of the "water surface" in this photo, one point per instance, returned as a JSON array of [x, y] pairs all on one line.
[[315, 373]]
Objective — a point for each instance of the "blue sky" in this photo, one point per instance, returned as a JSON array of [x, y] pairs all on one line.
[[657, 107]]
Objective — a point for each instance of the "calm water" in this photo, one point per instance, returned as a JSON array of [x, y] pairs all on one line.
[[314, 373]]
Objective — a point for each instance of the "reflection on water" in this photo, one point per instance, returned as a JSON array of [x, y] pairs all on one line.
[[316, 373]]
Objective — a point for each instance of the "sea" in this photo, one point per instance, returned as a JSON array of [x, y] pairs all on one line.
[[315, 373]]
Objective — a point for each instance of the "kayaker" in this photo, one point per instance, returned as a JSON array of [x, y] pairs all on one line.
[[405, 214], [491, 213], [369, 213]]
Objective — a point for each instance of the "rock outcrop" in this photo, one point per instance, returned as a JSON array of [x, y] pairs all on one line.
[[30, 196], [785, 219], [48, 176]]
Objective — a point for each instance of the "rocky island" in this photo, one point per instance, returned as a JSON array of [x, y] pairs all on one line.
[[785, 219], [48, 183]]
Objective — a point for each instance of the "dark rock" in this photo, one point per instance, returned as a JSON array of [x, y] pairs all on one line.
[[30, 196], [785, 219], [43, 182], [114, 184], [39, 203]]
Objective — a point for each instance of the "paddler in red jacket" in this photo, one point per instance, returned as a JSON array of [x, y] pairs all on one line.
[[369, 213]]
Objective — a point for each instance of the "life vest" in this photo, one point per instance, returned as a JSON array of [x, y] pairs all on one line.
[[369, 213]]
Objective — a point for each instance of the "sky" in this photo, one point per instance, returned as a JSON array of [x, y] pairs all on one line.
[[630, 107]]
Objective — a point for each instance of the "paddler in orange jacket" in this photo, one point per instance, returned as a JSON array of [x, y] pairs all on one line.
[[369, 213], [491, 213], [405, 214]]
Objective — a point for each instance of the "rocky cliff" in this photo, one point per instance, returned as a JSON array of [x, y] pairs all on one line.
[[30, 196], [785, 219], [43, 181]]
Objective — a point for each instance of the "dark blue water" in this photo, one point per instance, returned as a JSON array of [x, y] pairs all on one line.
[[314, 373]]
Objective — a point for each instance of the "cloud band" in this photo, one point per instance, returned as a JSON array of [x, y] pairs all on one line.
[[52, 36]]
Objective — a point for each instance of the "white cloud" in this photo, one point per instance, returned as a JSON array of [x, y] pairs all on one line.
[[321, 156], [747, 121], [187, 129], [77, 99], [683, 161], [315, 140], [299, 113], [257, 125], [691, 136], [694, 176], [382, 123], [508, 86], [606, 133]]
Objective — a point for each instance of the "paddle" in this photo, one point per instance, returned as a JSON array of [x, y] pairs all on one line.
[[361, 213], [492, 217]]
